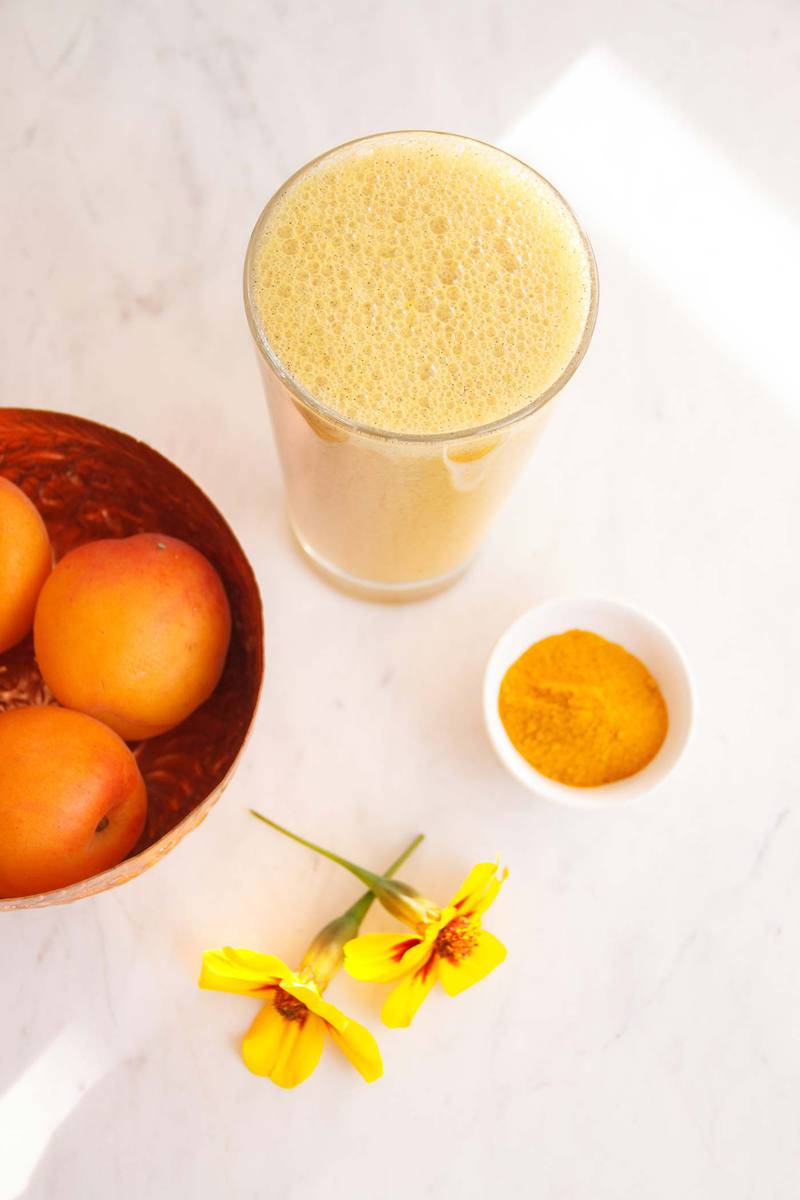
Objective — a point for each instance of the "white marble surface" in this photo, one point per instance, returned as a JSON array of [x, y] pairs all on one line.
[[641, 1043]]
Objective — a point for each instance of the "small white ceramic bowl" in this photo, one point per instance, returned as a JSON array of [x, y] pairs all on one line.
[[639, 634]]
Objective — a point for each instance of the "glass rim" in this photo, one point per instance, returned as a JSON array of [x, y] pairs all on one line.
[[323, 410]]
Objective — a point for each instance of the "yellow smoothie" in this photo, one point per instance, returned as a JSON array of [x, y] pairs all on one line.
[[421, 284], [415, 299]]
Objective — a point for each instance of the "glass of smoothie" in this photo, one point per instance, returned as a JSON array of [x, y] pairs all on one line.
[[416, 300]]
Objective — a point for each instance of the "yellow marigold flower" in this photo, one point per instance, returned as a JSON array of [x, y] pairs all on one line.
[[448, 944], [451, 947], [285, 1040]]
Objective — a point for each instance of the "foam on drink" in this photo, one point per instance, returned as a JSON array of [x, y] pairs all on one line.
[[422, 283]]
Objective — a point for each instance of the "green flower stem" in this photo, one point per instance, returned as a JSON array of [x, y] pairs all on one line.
[[398, 898], [367, 877], [325, 954], [359, 910]]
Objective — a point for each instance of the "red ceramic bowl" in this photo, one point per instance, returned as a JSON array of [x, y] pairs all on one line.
[[91, 482]]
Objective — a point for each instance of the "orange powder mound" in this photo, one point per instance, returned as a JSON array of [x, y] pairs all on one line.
[[582, 710]]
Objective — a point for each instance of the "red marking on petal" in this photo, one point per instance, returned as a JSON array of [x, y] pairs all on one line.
[[402, 947], [427, 967]]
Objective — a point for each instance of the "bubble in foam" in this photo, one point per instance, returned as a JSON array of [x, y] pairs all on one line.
[[440, 284]]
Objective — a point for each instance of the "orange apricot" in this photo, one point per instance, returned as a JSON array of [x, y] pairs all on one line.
[[25, 562], [72, 799], [133, 631]]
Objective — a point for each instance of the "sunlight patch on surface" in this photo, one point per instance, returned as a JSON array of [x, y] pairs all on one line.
[[724, 251], [37, 1103]]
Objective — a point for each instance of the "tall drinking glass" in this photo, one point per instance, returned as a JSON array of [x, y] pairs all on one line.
[[384, 513]]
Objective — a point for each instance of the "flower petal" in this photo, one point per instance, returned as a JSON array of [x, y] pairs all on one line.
[[383, 957], [282, 1050], [400, 1007], [243, 972], [360, 1047], [459, 974], [478, 890], [309, 994], [480, 904]]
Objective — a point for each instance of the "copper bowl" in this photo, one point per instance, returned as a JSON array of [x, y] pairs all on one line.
[[91, 482]]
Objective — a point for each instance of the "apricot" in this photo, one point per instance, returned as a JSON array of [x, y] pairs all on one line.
[[25, 562], [72, 799], [133, 631]]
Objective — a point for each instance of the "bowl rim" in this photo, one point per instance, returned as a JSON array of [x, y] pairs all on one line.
[[124, 871], [607, 795]]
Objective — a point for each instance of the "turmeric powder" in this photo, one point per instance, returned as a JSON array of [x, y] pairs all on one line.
[[582, 710]]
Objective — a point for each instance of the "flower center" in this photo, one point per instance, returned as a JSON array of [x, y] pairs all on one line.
[[457, 940], [289, 1006]]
